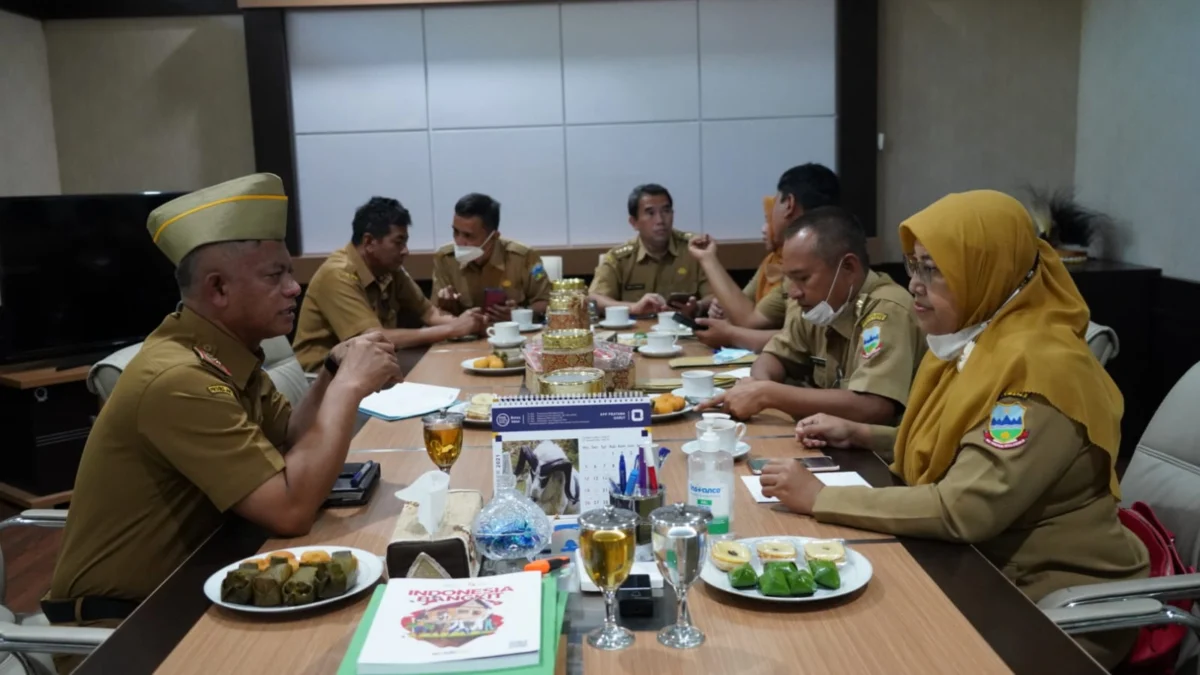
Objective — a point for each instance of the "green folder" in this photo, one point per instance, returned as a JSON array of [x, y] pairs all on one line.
[[554, 608]]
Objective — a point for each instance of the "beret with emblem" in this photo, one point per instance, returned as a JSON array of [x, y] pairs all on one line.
[[248, 208]]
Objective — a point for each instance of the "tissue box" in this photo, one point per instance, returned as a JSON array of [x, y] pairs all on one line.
[[451, 548]]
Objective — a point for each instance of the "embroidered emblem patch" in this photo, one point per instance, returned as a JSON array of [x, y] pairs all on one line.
[[219, 389], [538, 271], [874, 316], [211, 360], [1006, 428], [870, 342], [682, 271]]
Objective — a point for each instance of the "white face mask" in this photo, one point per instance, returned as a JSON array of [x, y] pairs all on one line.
[[951, 345], [466, 255], [822, 314]]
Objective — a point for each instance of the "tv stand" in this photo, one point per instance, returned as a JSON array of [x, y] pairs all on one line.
[[46, 412]]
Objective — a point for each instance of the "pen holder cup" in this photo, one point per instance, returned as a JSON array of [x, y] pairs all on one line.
[[642, 506]]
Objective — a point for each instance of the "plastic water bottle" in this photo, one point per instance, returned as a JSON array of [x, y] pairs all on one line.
[[710, 484]]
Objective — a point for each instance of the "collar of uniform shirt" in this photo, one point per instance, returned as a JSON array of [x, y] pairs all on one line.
[[672, 250], [230, 352], [365, 276]]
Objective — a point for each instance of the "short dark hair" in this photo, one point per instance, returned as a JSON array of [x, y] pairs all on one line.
[[481, 206], [377, 217], [651, 189], [838, 233], [185, 271], [813, 185]]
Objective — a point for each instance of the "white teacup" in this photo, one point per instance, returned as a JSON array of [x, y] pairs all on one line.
[[696, 383], [666, 321], [660, 342], [505, 331], [616, 316], [728, 432], [523, 317], [710, 416]]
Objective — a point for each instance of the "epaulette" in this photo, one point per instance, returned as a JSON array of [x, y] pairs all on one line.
[[622, 251], [685, 236], [209, 361], [516, 247]]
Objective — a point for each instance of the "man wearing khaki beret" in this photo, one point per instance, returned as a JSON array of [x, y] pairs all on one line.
[[194, 428]]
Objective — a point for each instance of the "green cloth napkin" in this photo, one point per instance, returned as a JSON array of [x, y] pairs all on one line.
[[554, 605]]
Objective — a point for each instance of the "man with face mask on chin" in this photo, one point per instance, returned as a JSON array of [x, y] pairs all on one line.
[[364, 287], [852, 339], [480, 259]]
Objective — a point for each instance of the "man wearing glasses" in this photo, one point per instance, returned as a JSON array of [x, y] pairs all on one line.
[[851, 338], [643, 273]]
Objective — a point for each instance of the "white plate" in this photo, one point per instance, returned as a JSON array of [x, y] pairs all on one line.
[[673, 351], [855, 573], [461, 408], [370, 568], [742, 449], [682, 331], [687, 408], [617, 326], [697, 399], [490, 371], [530, 328], [493, 341]]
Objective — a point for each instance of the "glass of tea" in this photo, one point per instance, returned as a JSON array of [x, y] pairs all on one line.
[[680, 537], [607, 539], [443, 438]]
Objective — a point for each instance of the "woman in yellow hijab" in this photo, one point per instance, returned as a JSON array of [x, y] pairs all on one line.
[[1012, 426]]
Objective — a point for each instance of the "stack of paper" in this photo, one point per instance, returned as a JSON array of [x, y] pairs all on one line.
[[408, 399], [837, 478]]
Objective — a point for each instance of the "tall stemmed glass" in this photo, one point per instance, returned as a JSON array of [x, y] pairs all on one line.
[[680, 537], [607, 539], [443, 438]]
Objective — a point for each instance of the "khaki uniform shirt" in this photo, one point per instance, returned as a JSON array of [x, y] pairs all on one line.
[[775, 305], [873, 347], [628, 272], [513, 266], [1037, 505], [193, 426], [345, 299]]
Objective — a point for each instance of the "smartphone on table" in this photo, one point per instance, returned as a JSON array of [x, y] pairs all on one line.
[[493, 297], [814, 464], [684, 320], [678, 300]]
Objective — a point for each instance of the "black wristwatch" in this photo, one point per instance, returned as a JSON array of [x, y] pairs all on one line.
[[331, 365]]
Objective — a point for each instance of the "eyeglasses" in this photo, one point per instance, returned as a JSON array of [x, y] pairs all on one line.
[[923, 269]]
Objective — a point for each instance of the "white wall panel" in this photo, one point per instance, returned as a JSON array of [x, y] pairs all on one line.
[[767, 58], [742, 162], [523, 169], [604, 163], [338, 173], [630, 61], [357, 70], [494, 66]]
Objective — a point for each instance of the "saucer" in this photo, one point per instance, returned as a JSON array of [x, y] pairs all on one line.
[[696, 399], [529, 328], [678, 331], [495, 342], [617, 326], [653, 353], [692, 446]]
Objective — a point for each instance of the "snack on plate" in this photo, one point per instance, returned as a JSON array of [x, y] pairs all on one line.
[[743, 576], [726, 555], [287, 556], [667, 403], [314, 557], [829, 550], [268, 585], [236, 586], [488, 362], [774, 549], [825, 573], [480, 407]]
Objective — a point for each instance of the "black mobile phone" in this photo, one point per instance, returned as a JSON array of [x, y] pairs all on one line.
[[678, 299], [814, 464], [688, 321]]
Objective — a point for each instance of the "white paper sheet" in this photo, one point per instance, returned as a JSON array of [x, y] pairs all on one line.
[[739, 373], [408, 399], [835, 478]]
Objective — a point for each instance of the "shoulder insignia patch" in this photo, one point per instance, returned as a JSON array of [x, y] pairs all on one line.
[[871, 342], [874, 316], [349, 276], [682, 271], [216, 389], [210, 360], [1006, 427], [538, 270], [622, 251]]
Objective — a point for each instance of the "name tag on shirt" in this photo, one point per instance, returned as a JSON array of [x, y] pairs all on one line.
[[635, 287], [817, 361]]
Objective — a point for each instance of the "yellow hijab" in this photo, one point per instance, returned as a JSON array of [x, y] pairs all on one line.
[[770, 272], [984, 244]]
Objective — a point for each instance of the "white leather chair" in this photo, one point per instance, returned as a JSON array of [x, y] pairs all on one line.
[[1103, 342], [28, 641], [279, 362], [553, 266], [1164, 473]]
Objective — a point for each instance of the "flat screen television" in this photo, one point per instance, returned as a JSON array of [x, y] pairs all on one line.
[[80, 275]]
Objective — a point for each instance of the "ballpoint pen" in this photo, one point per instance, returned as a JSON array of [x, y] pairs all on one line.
[[358, 475], [621, 477]]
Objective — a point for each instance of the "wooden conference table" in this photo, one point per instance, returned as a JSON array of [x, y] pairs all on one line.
[[930, 607]]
